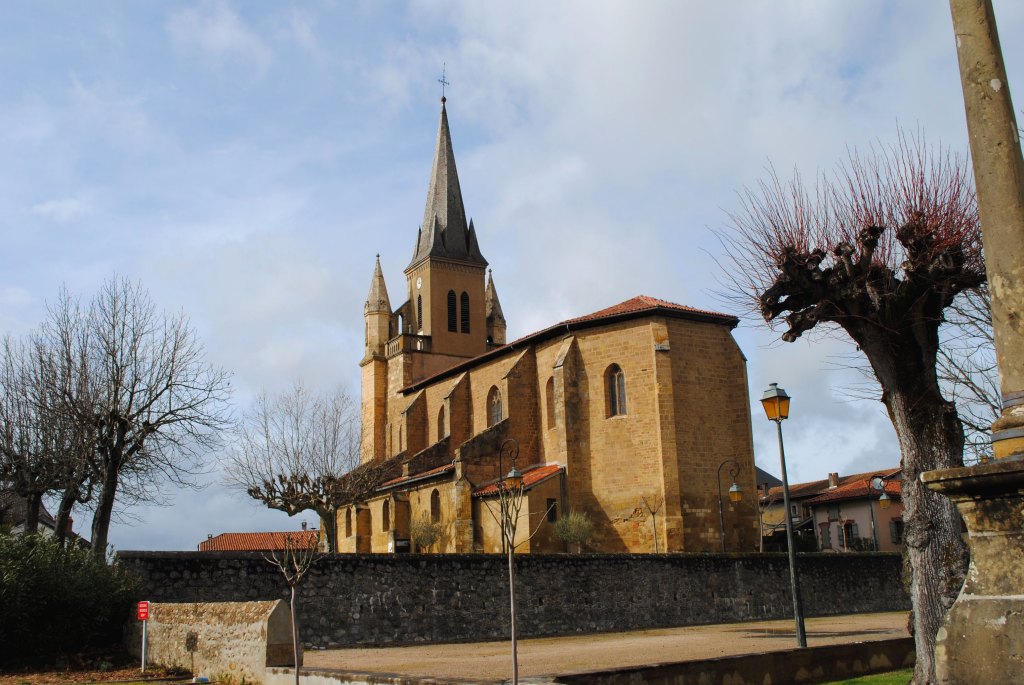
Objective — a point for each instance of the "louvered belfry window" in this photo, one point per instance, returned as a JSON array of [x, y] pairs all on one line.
[[464, 301], [452, 316]]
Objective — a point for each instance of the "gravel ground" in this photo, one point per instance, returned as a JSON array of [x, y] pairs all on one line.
[[563, 655]]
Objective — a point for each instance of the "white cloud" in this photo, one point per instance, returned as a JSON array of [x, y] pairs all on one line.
[[62, 210], [220, 33]]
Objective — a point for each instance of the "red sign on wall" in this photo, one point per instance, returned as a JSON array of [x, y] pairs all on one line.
[[143, 611]]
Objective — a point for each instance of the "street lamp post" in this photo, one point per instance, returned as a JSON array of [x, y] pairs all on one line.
[[735, 494], [877, 483], [776, 406]]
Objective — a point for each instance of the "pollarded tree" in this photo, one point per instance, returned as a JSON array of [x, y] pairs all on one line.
[[879, 250], [291, 451], [139, 384]]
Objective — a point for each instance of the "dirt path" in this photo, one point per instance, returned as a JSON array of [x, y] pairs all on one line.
[[563, 655]]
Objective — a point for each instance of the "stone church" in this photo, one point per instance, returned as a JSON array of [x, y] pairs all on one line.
[[626, 414]]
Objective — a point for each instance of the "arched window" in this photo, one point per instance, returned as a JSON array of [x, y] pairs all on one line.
[[549, 401], [441, 433], [386, 516], [452, 316], [615, 388], [493, 406], [348, 522], [464, 301], [435, 506], [419, 312]]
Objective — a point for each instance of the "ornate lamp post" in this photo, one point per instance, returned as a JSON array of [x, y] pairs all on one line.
[[776, 406], [735, 494], [878, 484]]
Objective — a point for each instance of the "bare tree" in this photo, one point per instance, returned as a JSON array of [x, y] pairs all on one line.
[[967, 369], [293, 562], [879, 251], [30, 433], [138, 382], [292, 450], [652, 505]]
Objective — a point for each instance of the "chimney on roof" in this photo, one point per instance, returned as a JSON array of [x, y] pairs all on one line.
[[833, 480], [209, 536], [71, 525], [303, 525]]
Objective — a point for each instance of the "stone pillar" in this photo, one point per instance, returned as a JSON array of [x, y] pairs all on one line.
[[982, 636], [999, 178]]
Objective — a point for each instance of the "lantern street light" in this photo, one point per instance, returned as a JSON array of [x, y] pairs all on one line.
[[735, 494], [877, 483], [776, 406]]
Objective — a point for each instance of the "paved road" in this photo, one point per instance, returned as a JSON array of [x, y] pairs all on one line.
[[563, 655]]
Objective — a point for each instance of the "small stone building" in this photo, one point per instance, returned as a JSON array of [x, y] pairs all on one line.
[[625, 414]]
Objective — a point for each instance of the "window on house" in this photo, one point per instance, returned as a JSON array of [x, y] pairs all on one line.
[[549, 401], [419, 312], [386, 516], [552, 510], [615, 389], [493, 406], [833, 512], [348, 522], [850, 533], [464, 302], [896, 531], [825, 533], [435, 506], [441, 433], [452, 316], [794, 510]]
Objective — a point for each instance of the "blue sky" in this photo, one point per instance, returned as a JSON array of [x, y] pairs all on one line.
[[246, 161]]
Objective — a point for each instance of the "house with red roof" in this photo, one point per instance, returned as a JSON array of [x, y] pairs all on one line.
[[260, 542], [640, 402], [854, 513]]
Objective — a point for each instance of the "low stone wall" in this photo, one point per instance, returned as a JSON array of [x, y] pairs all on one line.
[[226, 641], [824, 664], [369, 599]]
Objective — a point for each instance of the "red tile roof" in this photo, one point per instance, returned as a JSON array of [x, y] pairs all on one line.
[[816, 487], [858, 489], [531, 477], [417, 476], [642, 303], [637, 306], [258, 542]]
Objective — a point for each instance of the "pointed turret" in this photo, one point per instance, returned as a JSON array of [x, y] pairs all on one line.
[[444, 232], [377, 301], [377, 312], [495, 317]]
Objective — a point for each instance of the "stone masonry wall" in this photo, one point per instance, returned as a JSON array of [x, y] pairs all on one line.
[[387, 599]]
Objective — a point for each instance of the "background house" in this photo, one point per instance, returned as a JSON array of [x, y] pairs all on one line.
[[838, 513]]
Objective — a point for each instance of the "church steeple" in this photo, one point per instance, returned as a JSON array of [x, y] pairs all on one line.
[[444, 232]]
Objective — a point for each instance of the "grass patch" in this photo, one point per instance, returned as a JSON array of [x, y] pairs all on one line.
[[892, 678]]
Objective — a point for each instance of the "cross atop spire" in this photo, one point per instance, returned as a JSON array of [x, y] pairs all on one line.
[[444, 82]]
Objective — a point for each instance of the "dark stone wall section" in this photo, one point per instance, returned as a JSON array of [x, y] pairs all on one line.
[[368, 599]]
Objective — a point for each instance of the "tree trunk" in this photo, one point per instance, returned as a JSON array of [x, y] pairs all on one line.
[[32, 504], [67, 502], [105, 503], [930, 437], [295, 635], [512, 615], [329, 520]]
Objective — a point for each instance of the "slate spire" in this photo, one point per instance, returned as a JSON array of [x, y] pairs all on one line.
[[444, 231]]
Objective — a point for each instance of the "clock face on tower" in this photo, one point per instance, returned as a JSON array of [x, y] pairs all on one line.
[[419, 283]]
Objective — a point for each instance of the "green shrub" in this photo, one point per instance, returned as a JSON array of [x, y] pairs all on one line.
[[56, 602], [424, 533], [575, 528]]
